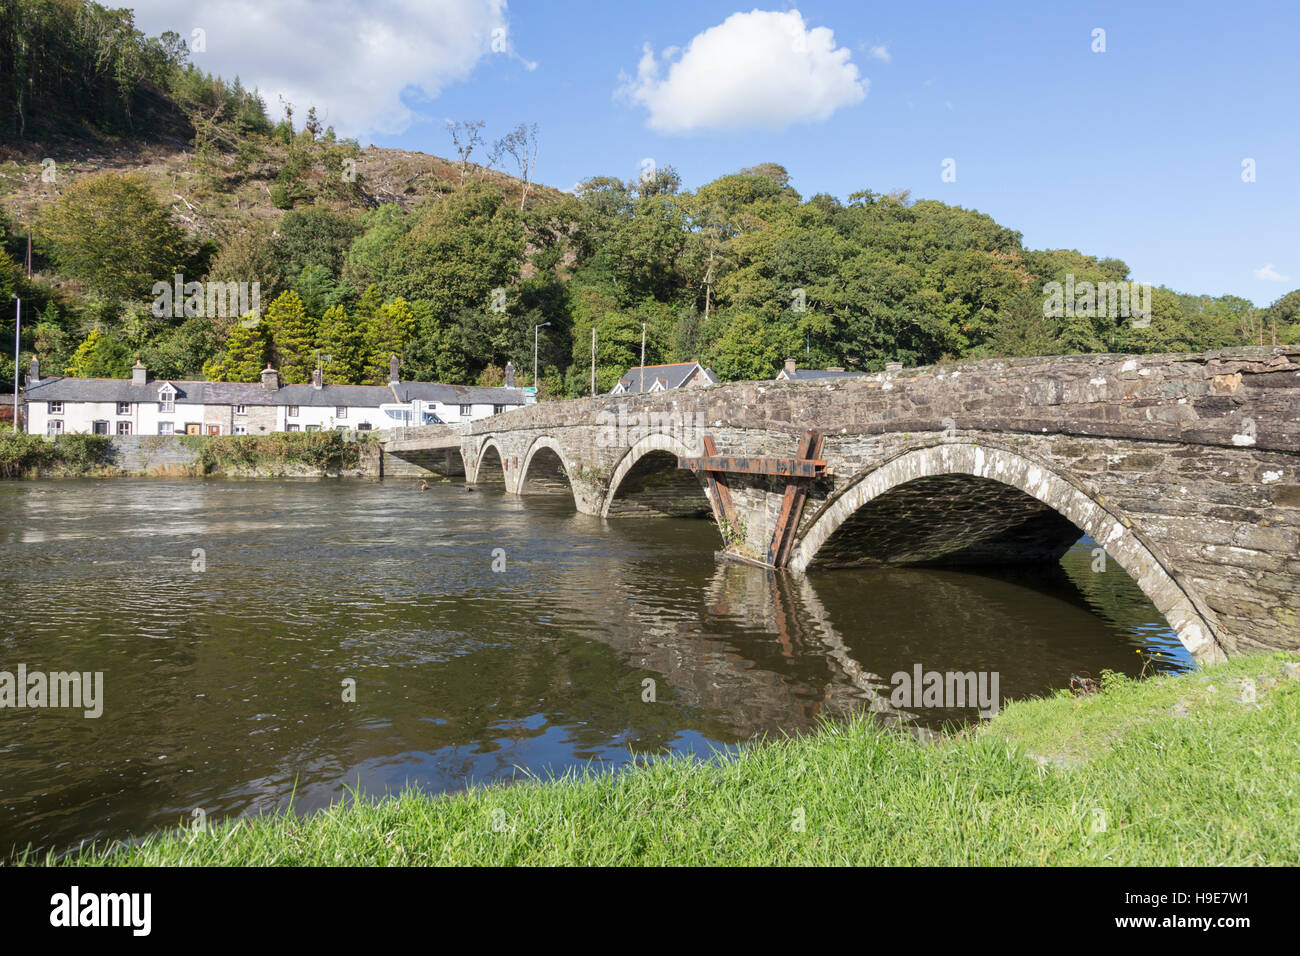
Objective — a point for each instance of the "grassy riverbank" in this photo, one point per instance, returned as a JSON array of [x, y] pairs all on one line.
[[1167, 771]]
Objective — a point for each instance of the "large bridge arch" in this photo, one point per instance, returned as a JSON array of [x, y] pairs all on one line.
[[1114, 532], [657, 444], [551, 468], [489, 464]]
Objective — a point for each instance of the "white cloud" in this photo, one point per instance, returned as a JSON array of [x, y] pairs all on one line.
[[754, 70], [353, 61], [1269, 274], [880, 53]]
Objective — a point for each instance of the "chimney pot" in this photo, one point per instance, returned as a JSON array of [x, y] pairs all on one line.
[[139, 374], [789, 366]]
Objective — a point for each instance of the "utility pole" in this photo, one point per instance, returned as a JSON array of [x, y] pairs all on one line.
[[593, 361], [535, 328], [18, 338], [642, 358], [29, 253]]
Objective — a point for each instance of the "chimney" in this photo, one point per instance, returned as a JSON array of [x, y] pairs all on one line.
[[510, 374], [139, 374], [270, 378], [789, 366], [394, 363], [34, 375], [317, 380]]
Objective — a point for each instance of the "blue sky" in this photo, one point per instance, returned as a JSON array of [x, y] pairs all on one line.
[[1135, 152]]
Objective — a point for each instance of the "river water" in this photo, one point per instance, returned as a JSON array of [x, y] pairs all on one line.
[[487, 636]]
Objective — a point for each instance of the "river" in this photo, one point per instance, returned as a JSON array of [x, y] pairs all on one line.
[[486, 637]]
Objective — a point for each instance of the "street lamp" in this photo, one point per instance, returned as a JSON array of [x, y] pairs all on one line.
[[535, 328], [18, 338]]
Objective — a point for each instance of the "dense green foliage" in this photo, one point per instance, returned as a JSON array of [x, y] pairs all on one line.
[[326, 451], [1170, 771], [738, 274], [22, 454]]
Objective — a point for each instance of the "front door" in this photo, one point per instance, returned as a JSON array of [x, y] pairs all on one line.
[[214, 429], [193, 428]]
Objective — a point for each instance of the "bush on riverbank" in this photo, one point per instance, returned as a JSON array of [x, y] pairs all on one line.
[[1182, 771], [323, 451], [22, 455]]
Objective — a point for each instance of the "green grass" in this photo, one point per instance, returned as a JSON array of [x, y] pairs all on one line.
[[1032, 786]]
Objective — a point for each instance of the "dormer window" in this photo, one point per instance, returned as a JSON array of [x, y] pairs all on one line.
[[166, 400]]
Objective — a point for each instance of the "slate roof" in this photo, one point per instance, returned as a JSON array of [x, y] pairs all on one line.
[[241, 393], [672, 376]]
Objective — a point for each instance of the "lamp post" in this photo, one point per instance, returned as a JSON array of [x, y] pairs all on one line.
[[18, 338], [535, 328]]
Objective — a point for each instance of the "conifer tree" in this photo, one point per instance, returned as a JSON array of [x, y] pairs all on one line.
[[293, 334], [248, 349], [344, 341]]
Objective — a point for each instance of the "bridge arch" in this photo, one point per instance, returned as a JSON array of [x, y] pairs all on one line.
[[551, 467], [657, 445], [1121, 541], [489, 464]]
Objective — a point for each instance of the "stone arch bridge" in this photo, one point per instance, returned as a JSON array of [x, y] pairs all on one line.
[[1184, 468]]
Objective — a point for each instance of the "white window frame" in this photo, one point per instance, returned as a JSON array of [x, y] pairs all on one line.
[[241, 410], [124, 408], [123, 428], [293, 411], [466, 410], [340, 411], [166, 428], [241, 429], [56, 408], [54, 426], [291, 427]]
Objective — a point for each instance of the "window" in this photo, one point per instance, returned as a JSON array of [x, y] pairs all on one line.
[[166, 428], [340, 428], [498, 409], [54, 427], [241, 429], [167, 403], [124, 428], [291, 428], [56, 408], [124, 408], [313, 428], [99, 428], [364, 427], [466, 410], [341, 412], [293, 412], [240, 410]]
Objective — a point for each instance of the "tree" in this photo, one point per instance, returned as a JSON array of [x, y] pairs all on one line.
[[457, 251], [465, 136], [521, 145], [344, 341], [100, 355], [110, 232], [292, 334], [747, 351], [247, 352], [315, 237]]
